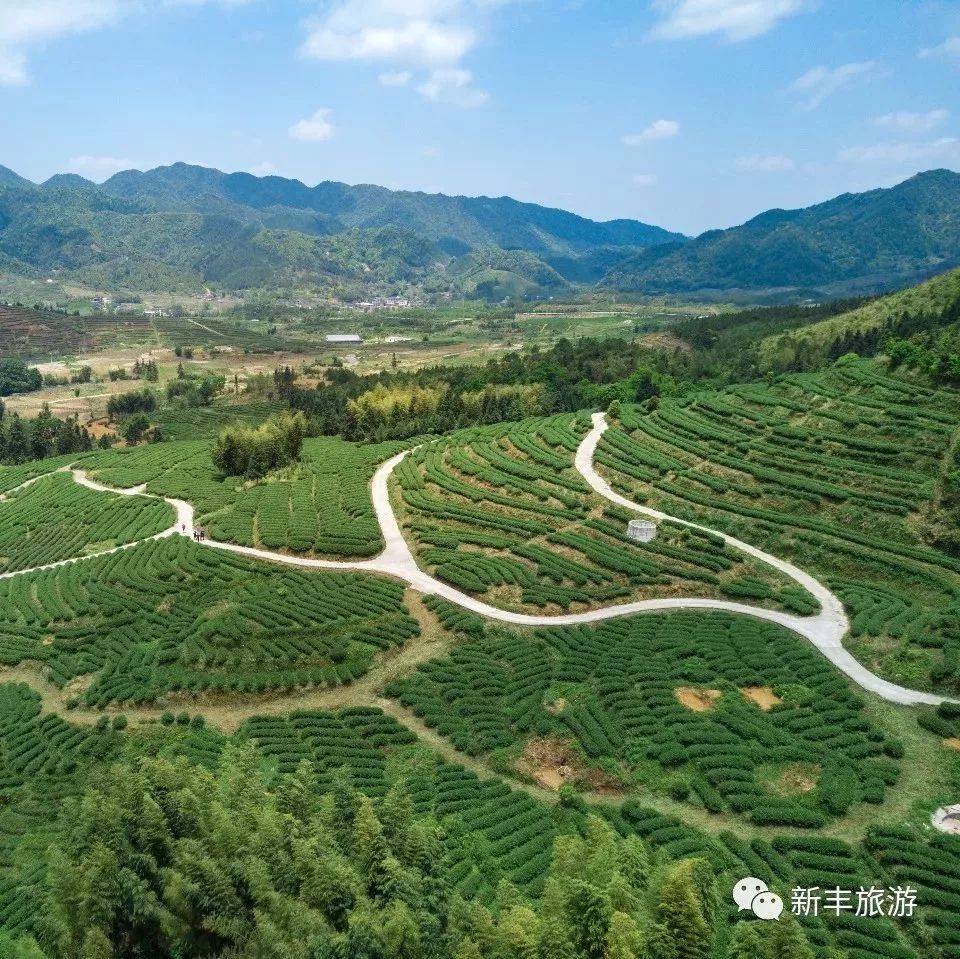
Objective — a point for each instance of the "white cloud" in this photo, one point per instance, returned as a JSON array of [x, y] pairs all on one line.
[[265, 168], [658, 130], [28, 24], [424, 41], [454, 86], [764, 163], [314, 129], [25, 24], [822, 82], [645, 179], [906, 122], [949, 48], [735, 19], [99, 167], [13, 68], [944, 148], [399, 78], [432, 33]]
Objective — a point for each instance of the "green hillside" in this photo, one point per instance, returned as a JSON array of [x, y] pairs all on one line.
[[918, 307], [455, 223], [855, 243]]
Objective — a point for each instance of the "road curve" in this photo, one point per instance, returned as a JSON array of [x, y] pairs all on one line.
[[825, 630]]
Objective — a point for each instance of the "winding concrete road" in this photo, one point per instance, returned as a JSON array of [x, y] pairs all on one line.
[[825, 630]]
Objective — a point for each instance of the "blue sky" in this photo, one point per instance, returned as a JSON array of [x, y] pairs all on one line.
[[691, 114]]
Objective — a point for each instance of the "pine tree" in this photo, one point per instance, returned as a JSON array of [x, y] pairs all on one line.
[[517, 934], [554, 940], [296, 793], [368, 841], [401, 933], [785, 940], [633, 861], [623, 938], [746, 942], [681, 911], [397, 814], [588, 912]]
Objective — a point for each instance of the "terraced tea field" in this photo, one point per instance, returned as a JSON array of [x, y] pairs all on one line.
[[55, 519], [705, 734], [724, 710], [322, 507], [842, 472], [170, 615], [500, 513]]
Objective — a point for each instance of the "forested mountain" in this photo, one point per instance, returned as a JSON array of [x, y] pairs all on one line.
[[855, 243], [454, 223], [182, 226]]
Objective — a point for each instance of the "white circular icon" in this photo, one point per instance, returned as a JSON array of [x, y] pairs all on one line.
[[767, 905], [746, 889]]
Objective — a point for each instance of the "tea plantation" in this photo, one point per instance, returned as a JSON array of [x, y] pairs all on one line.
[[845, 472], [55, 519], [501, 513], [320, 507], [489, 832], [170, 615], [497, 759], [625, 694]]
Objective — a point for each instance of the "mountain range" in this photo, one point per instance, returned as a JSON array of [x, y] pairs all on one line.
[[184, 227], [853, 244]]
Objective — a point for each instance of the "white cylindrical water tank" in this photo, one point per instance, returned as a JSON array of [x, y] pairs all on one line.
[[641, 530]]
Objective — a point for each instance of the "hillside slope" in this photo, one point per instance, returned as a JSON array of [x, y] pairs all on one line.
[[855, 243], [927, 306]]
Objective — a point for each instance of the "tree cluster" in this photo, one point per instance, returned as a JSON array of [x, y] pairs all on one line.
[[136, 401], [17, 377], [22, 440], [162, 859], [253, 452]]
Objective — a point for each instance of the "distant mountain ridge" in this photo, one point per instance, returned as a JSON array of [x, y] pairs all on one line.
[[185, 226], [448, 221], [854, 243], [182, 227]]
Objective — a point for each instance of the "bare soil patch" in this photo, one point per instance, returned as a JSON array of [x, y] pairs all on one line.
[[699, 700], [952, 743], [763, 696], [80, 684], [551, 762], [99, 428], [799, 778], [557, 706]]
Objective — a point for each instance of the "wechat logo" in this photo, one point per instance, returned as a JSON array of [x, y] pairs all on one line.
[[753, 894]]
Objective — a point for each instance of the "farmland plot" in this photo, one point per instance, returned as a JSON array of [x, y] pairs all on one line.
[[55, 519], [501, 513], [842, 472]]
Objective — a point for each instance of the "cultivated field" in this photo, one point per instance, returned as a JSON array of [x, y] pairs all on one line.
[[701, 733], [842, 472]]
